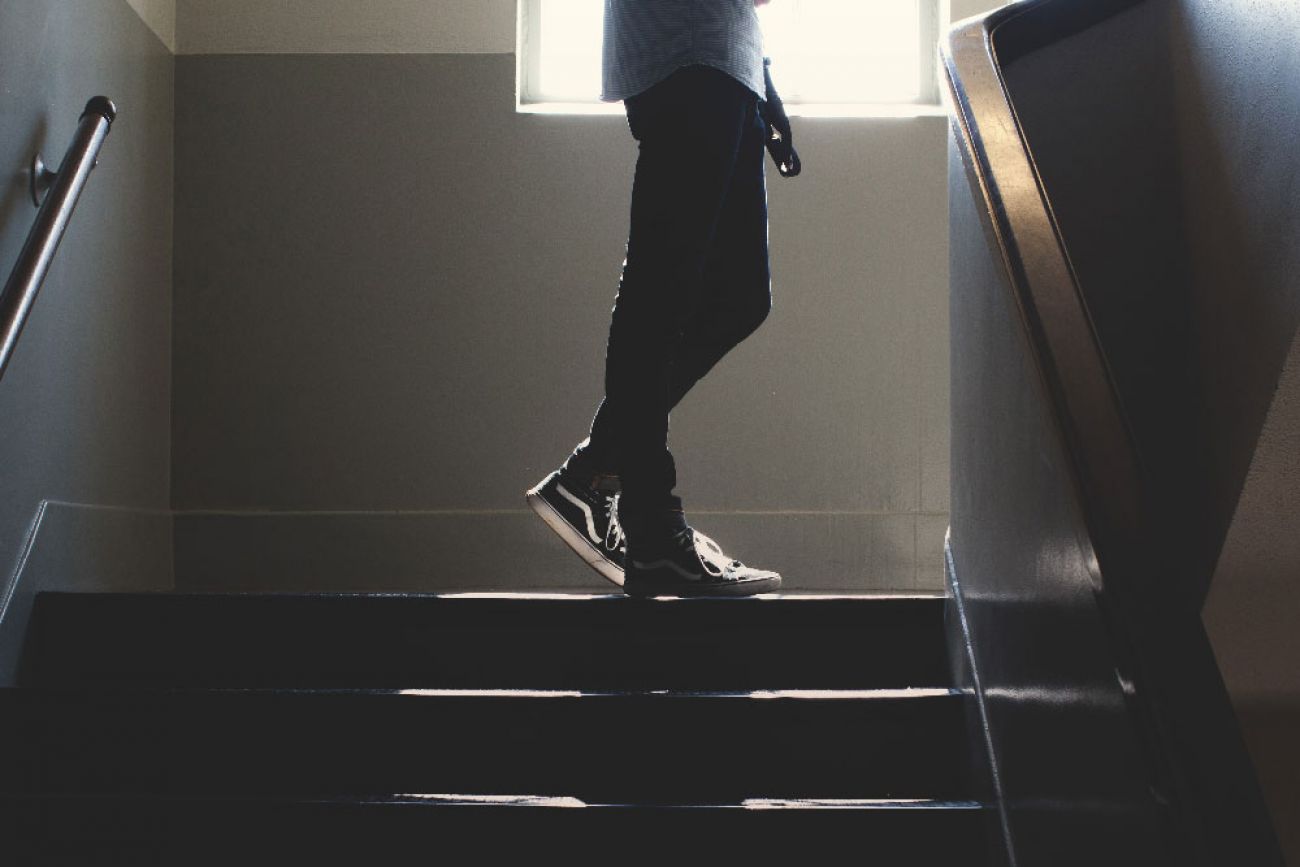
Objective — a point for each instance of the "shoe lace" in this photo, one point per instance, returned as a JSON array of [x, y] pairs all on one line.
[[709, 552], [614, 537]]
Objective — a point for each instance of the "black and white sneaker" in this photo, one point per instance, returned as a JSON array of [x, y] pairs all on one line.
[[585, 516], [692, 564]]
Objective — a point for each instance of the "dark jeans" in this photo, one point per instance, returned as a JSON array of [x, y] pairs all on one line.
[[695, 282]]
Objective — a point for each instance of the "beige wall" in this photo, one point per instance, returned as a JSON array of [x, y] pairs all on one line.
[[346, 26], [160, 15], [405, 314], [872, 511], [959, 10], [375, 26]]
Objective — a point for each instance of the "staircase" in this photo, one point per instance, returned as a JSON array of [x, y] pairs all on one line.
[[298, 729]]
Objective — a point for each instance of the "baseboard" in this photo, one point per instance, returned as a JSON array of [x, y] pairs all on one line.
[[461, 550], [81, 547]]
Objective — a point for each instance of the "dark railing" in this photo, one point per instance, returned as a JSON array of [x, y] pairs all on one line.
[[57, 195], [1098, 701]]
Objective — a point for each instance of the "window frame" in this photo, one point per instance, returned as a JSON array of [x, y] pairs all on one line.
[[933, 13]]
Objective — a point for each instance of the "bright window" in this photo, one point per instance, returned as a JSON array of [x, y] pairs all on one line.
[[825, 53]]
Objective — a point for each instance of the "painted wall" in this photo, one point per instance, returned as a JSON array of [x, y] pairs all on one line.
[[160, 15], [393, 295], [377, 26], [1248, 161], [1253, 607], [1174, 176], [85, 404], [345, 26], [408, 311]]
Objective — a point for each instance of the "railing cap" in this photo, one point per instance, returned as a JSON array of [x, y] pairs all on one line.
[[102, 106]]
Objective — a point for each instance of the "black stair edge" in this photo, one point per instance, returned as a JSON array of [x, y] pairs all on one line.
[[324, 640], [123, 695], [464, 804], [210, 830], [660, 748], [793, 610]]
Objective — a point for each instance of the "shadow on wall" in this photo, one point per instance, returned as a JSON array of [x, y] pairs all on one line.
[[1270, 730], [15, 202], [1175, 181], [1253, 607], [1236, 127], [1238, 114]]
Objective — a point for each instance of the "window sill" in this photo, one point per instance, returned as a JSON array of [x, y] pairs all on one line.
[[822, 110]]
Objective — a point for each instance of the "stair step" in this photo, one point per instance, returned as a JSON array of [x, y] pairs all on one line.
[[501, 641], [201, 831], [663, 748]]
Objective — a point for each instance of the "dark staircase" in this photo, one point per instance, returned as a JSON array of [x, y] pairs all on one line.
[[303, 729]]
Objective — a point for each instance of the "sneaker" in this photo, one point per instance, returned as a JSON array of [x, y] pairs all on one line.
[[692, 564], [585, 516]]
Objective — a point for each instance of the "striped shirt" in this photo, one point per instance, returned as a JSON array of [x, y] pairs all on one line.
[[647, 40]]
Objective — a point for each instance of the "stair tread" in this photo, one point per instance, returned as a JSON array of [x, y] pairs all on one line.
[[467, 802], [487, 640], [197, 831], [651, 747], [200, 727], [520, 609]]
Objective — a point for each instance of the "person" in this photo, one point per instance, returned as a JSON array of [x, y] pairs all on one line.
[[700, 102]]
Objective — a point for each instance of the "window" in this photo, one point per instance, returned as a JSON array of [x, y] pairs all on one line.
[[829, 56]]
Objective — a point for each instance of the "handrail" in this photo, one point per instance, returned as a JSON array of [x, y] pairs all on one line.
[[52, 220], [1047, 290]]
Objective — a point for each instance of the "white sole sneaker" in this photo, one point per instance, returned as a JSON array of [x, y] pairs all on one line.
[[694, 565], [585, 521]]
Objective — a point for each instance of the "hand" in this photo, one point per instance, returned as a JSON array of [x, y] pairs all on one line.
[[780, 138], [761, 2]]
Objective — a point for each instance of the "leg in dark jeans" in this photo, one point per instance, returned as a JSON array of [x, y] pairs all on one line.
[[696, 279]]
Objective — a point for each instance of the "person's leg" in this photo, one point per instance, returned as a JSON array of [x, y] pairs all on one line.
[[690, 128], [735, 295], [737, 283]]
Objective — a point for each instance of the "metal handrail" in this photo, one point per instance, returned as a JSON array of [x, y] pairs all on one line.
[[56, 193]]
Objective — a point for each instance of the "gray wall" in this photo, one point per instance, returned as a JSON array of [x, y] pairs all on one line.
[[1175, 178], [85, 403], [393, 294], [1253, 608], [1248, 162]]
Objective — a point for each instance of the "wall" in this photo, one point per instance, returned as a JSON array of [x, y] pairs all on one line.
[[1246, 246], [160, 15], [1253, 606], [1176, 200], [1044, 690], [1175, 179], [345, 26], [85, 403], [393, 295]]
